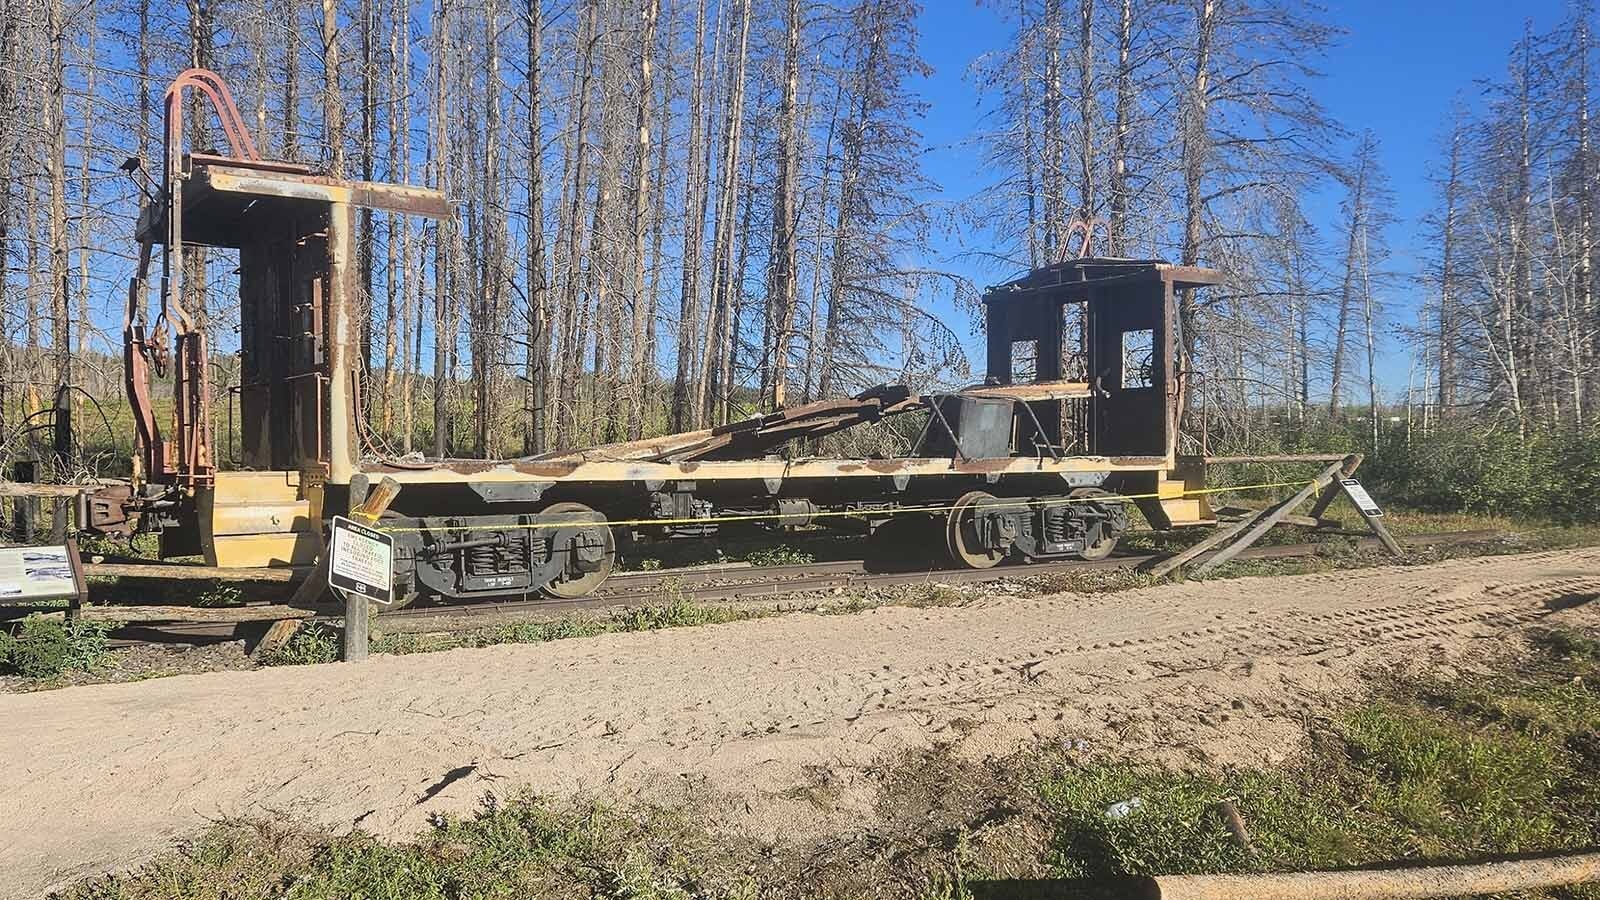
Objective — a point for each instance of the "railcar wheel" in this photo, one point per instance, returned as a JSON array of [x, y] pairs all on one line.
[[961, 535], [1102, 548], [570, 587]]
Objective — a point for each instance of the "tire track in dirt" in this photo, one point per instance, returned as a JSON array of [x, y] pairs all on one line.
[[1218, 670]]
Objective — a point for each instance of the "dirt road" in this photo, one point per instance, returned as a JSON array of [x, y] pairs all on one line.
[[100, 776]]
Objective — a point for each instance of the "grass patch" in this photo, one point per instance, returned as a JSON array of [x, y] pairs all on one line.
[[1462, 770], [675, 611], [45, 647], [523, 848]]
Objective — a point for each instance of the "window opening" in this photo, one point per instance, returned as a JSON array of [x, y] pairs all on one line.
[[1138, 359]]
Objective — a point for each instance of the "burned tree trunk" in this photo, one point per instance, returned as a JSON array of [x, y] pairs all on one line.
[[642, 302], [685, 413], [710, 390], [537, 359], [783, 265]]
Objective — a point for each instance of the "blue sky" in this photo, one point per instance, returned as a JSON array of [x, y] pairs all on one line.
[[1396, 70]]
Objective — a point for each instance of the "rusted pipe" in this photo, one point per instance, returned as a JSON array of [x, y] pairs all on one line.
[[1362, 884], [1354, 884]]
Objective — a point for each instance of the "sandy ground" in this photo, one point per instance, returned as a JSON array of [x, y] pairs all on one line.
[[97, 777]]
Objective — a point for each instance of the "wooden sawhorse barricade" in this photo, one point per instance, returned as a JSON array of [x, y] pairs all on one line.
[[1230, 541]]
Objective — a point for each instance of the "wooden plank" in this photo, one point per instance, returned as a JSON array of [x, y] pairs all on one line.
[[1165, 567], [19, 489], [1271, 517], [184, 572], [277, 635], [1302, 521]]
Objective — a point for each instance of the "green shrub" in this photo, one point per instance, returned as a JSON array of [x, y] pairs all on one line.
[[1460, 467], [45, 647], [312, 644]]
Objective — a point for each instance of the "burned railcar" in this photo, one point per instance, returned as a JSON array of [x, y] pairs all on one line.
[[1076, 415]]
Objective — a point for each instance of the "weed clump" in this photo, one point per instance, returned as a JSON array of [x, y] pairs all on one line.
[[525, 847], [312, 644], [44, 647], [779, 555]]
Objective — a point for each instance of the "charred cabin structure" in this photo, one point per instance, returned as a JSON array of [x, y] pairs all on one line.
[[1078, 410]]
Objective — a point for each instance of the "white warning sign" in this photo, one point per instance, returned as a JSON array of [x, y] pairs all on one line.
[[361, 560], [1359, 496]]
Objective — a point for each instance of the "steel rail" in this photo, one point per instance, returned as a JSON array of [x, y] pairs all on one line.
[[719, 584]]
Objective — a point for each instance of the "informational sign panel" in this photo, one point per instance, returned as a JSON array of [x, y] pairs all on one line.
[[362, 560], [40, 573], [1359, 496]]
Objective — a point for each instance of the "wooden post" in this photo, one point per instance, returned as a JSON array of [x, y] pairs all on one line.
[[370, 506], [75, 560], [357, 626], [60, 515], [1337, 487], [25, 509]]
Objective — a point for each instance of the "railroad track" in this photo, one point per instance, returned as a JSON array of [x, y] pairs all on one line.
[[710, 584]]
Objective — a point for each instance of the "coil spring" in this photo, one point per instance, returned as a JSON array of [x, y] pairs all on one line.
[[510, 555], [483, 560], [1056, 526]]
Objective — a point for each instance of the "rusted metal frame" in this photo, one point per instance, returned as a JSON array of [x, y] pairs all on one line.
[[955, 440], [1086, 227], [256, 181], [255, 165], [1039, 390], [216, 90], [1038, 426], [676, 447], [1180, 277], [191, 390], [149, 457]]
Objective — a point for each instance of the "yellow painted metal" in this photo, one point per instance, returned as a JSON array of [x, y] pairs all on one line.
[[1184, 497], [254, 519]]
